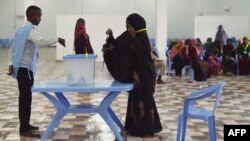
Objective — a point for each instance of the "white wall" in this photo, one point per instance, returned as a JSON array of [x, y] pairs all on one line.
[[96, 27], [93, 7], [7, 18], [217, 8], [180, 18], [180, 13], [206, 26]]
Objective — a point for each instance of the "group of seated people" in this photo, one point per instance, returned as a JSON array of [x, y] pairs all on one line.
[[212, 58]]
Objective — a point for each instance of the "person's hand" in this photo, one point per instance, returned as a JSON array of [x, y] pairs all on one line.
[[10, 70], [131, 30], [109, 32], [61, 41]]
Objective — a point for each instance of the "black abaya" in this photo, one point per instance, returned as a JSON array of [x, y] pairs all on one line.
[[129, 60]]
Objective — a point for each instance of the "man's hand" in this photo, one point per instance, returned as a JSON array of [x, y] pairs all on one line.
[[61, 41], [10, 70]]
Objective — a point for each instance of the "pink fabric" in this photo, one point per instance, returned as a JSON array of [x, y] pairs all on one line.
[[81, 42], [214, 63], [80, 29]]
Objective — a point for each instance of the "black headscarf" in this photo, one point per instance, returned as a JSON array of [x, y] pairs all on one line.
[[137, 21], [139, 24], [118, 59], [142, 118]]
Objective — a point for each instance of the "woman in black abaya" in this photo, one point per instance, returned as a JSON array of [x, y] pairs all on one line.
[[128, 59]]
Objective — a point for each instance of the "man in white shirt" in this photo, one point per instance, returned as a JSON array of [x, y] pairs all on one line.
[[23, 59]]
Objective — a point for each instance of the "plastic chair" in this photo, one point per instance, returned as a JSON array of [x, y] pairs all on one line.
[[169, 63], [184, 72], [189, 111]]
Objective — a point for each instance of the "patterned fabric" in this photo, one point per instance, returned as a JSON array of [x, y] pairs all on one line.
[[214, 63]]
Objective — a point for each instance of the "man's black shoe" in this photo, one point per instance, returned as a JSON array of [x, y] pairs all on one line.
[[29, 133], [31, 127]]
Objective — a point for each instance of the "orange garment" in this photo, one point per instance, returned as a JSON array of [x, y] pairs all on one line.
[[176, 49]]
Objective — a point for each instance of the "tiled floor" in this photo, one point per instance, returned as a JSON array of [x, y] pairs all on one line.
[[234, 105]]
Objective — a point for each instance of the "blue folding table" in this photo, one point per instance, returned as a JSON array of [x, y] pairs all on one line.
[[63, 106]]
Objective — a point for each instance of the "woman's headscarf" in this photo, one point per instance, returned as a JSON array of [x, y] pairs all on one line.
[[81, 42], [80, 28], [136, 21], [139, 25]]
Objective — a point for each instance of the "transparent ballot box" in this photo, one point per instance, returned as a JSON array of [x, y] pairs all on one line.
[[80, 69]]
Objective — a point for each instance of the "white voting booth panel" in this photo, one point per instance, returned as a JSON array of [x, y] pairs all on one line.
[[96, 27], [206, 26]]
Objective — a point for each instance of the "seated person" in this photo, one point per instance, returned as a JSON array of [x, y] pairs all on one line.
[[81, 42], [208, 44], [199, 47], [228, 58], [190, 57], [212, 56], [160, 65], [244, 60], [175, 57], [171, 45]]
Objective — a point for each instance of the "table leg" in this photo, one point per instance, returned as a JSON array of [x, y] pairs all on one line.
[[61, 111], [62, 99], [56, 119], [109, 116], [115, 118]]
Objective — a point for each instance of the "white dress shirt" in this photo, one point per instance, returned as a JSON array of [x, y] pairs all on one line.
[[34, 41]]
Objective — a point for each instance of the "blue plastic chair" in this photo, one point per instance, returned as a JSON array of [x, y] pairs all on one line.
[[184, 72], [190, 111], [169, 64]]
